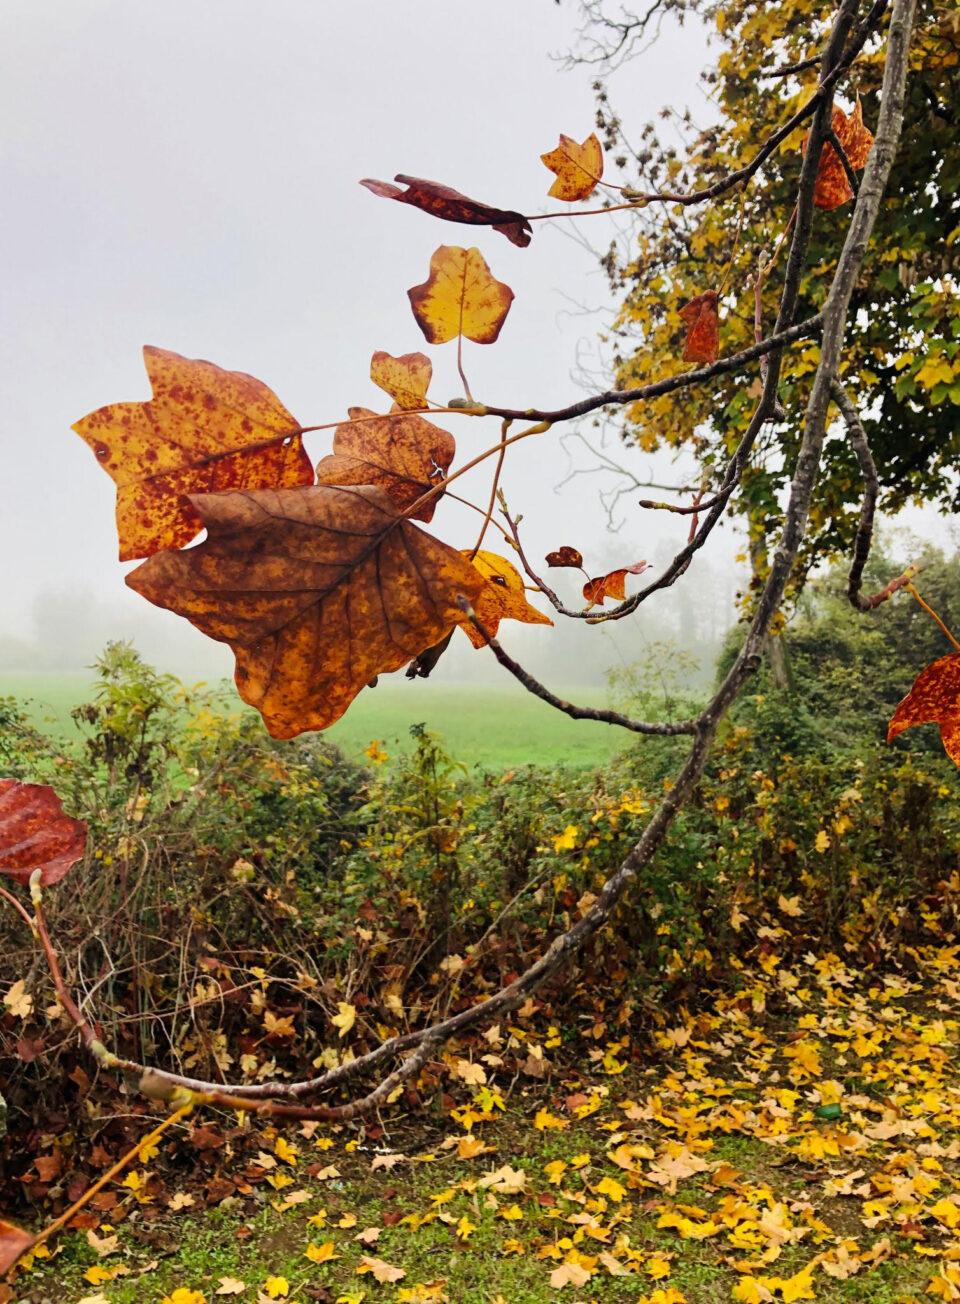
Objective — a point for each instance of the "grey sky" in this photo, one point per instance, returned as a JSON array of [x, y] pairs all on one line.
[[186, 174]]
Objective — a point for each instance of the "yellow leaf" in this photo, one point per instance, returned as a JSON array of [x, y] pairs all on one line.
[[544, 1119], [277, 1287], [345, 1017], [566, 840], [823, 841], [460, 296], [18, 1001], [578, 168], [406, 379], [285, 1151], [610, 1186], [184, 1296], [321, 1253]]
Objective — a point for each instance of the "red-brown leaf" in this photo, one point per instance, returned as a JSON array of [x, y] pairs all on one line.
[[934, 698], [703, 328], [565, 556], [36, 834], [441, 201], [14, 1243], [612, 585]]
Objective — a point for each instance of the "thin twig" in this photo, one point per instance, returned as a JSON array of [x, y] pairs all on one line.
[[493, 488]]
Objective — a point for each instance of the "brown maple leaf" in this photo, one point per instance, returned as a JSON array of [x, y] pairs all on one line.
[[833, 186], [578, 168], [565, 556], [501, 598], [934, 698], [36, 834], [405, 455], [204, 430], [703, 328], [612, 585], [441, 201], [317, 590]]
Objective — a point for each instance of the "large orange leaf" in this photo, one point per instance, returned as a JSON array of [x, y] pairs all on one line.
[[317, 590], [205, 429], [703, 328], [578, 168], [460, 297], [501, 598], [934, 698], [14, 1243], [36, 834], [833, 187], [405, 455], [441, 201], [612, 585], [406, 379]]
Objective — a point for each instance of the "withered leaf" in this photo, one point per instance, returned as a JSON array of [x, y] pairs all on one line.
[[14, 1243], [832, 186], [578, 167], [36, 834], [565, 556], [501, 598], [612, 585], [317, 590], [405, 455], [934, 698], [406, 379], [703, 328], [460, 297], [441, 201], [204, 430]]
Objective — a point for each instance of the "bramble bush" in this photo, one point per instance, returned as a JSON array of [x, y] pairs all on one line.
[[283, 884]]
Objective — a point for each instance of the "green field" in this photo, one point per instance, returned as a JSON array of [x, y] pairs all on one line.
[[496, 728]]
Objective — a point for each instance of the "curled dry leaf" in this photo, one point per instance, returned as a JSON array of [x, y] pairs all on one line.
[[441, 201], [565, 556], [934, 698], [703, 328], [14, 1243], [596, 591], [404, 455], [317, 590], [578, 167], [501, 598], [36, 834], [460, 297], [205, 430], [406, 379], [833, 186]]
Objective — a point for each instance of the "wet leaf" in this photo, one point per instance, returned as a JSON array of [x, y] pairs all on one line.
[[405, 455], [205, 430], [406, 379], [833, 187], [317, 590], [703, 328], [36, 834], [460, 297], [441, 201], [14, 1242], [565, 556], [578, 167], [613, 585], [934, 698], [501, 598]]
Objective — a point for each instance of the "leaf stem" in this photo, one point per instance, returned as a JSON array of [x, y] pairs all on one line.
[[930, 612]]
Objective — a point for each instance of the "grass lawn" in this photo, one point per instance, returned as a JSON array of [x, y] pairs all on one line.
[[497, 728]]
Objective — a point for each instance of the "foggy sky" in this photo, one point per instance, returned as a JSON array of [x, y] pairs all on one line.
[[185, 175]]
